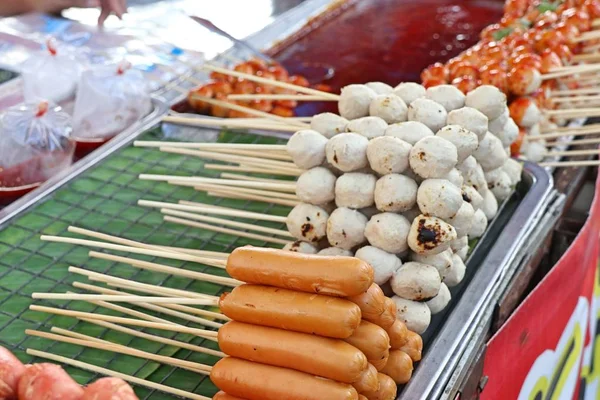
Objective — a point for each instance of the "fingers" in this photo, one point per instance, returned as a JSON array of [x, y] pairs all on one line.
[[117, 7], [104, 13]]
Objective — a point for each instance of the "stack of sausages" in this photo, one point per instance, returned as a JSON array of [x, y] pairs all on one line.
[[335, 335], [50, 382]]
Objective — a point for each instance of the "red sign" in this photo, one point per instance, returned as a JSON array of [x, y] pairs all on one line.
[[544, 351]]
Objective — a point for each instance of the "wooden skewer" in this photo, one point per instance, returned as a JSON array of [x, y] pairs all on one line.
[[574, 152], [210, 146], [282, 172], [282, 187], [222, 192], [258, 192], [128, 242], [299, 97], [249, 111], [585, 36], [585, 163], [136, 250], [211, 335], [572, 71], [574, 113], [125, 299], [574, 142], [561, 134], [236, 224], [226, 231], [217, 211], [122, 350], [271, 82], [238, 177], [150, 266], [108, 372], [586, 57], [573, 130], [160, 309], [569, 92], [575, 99], [270, 155], [231, 124]]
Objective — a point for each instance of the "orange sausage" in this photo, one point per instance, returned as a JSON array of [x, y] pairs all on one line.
[[254, 381], [333, 276], [387, 389], [413, 346], [389, 315], [381, 363], [361, 397], [371, 340], [224, 396], [399, 367], [398, 334], [368, 381], [316, 355], [372, 305], [291, 310]]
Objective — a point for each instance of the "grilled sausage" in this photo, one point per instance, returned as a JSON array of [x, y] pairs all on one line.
[[372, 340], [399, 367], [367, 381], [387, 389]]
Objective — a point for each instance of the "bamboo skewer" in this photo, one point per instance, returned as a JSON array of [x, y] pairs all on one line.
[[108, 372], [571, 129], [574, 142], [227, 175], [271, 82], [258, 192], [211, 146], [571, 71], [298, 97], [269, 155], [583, 163], [107, 346], [229, 123], [244, 196], [575, 99], [216, 211], [283, 172], [568, 92], [282, 187], [574, 113], [136, 250], [242, 225], [563, 134], [574, 152], [227, 231], [210, 335], [125, 299]]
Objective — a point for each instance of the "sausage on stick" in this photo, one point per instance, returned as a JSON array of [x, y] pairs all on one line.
[[368, 381], [399, 367], [374, 307], [373, 341], [387, 389]]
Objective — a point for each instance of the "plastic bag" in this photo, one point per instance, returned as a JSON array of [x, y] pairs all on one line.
[[35, 144], [51, 75], [109, 99]]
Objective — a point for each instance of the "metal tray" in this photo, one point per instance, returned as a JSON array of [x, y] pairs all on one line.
[[506, 238]]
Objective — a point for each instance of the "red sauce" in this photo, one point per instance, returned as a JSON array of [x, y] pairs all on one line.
[[390, 41]]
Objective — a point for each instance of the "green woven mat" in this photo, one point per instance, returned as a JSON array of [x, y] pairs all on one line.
[[104, 199]]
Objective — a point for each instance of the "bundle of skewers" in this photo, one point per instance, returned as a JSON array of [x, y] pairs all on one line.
[[319, 324]]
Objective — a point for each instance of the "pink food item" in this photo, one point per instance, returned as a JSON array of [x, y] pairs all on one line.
[[48, 382], [109, 389], [11, 370]]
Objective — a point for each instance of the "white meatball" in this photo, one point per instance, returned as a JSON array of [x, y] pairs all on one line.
[[531, 116], [463, 219], [471, 119], [463, 253], [439, 198], [442, 261], [459, 243], [410, 91], [410, 131], [328, 124], [412, 213], [535, 130], [430, 235], [479, 224], [300, 247], [447, 95], [380, 87], [439, 302], [307, 148], [548, 126], [369, 127], [316, 186], [335, 251], [456, 273], [471, 195], [490, 154], [535, 151], [490, 205], [388, 155], [355, 100], [307, 222], [497, 124], [414, 314], [384, 264], [472, 173], [499, 183], [347, 152], [509, 133], [355, 190], [455, 177], [433, 157], [395, 193], [389, 107], [346, 228], [416, 281], [487, 99], [466, 142], [388, 231], [428, 112], [514, 170]]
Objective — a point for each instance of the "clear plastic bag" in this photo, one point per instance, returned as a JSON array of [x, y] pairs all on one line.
[[51, 75], [35, 144], [109, 99]]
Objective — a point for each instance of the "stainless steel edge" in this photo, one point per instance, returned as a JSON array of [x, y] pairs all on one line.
[[443, 355], [127, 136]]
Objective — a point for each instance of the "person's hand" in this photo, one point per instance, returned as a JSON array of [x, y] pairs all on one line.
[[118, 7], [55, 6]]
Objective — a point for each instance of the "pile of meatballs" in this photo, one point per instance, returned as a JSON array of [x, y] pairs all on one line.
[[403, 178]]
